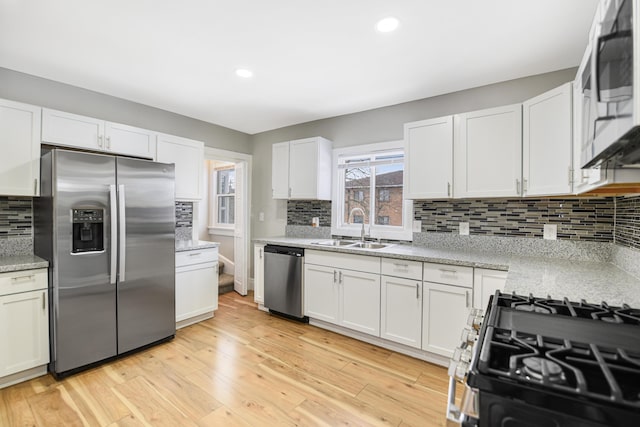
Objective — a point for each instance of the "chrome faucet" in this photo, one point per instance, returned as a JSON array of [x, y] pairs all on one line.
[[350, 219]]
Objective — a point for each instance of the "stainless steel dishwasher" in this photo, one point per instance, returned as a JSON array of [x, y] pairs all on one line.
[[283, 281]]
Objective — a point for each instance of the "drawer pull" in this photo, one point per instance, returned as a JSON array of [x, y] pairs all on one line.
[[447, 270], [196, 254], [19, 279], [417, 290], [466, 299], [401, 265], [43, 301]]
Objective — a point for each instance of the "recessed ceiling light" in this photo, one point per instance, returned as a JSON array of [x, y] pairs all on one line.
[[243, 72], [387, 25]]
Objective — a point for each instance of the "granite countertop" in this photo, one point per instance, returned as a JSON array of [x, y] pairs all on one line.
[[21, 262], [193, 245], [558, 278]]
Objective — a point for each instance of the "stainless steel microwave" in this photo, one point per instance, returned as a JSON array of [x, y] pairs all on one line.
[[611, 89]]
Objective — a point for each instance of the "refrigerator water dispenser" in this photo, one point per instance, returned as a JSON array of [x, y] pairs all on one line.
[[88, 230]]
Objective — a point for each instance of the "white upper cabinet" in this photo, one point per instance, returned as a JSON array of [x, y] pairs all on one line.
[[301, 169], [123, 139], [20, 145], [429, 142], [188, 156], [73, 130], [488, 152], [280, 170], [546, 143]]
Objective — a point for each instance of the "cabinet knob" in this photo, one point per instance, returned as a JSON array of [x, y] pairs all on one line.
[[109, 142]]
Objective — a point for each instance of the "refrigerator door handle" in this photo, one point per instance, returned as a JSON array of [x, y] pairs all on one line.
[[123, 232], [113, 202]]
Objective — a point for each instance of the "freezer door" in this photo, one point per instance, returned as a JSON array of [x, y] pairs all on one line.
[[84, 300], [146, 271]]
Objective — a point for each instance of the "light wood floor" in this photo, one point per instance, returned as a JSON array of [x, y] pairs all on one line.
[[242, 368]]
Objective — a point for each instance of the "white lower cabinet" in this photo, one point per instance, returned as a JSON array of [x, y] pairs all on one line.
[[445, 312], [321, 293], [485, 283], [24, 324], [401, 311], [336, 294], [258, 273], [360, 301], [196, 285]]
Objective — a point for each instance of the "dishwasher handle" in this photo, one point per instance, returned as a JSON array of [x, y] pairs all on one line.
[[284, 250]]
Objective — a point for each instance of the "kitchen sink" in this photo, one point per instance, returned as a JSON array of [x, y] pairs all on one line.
[[334, 242], [370, 245]]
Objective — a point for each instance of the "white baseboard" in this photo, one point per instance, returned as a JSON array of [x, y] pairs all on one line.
[[381, 342]]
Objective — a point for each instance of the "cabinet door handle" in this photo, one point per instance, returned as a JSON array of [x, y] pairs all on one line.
[[100, 141], [448, 189], [525, 185], [334, 276], [109, 142], [43, 301], [35, 186], [417, 290], [518, 186], [466, 298], [19, 279], [570, 175], [340, 277], [260, 253], [289, 191]]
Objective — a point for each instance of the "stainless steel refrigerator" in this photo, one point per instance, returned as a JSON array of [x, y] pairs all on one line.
[[107, 227]]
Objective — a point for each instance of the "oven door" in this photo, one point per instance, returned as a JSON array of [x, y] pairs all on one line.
[[612, 83]]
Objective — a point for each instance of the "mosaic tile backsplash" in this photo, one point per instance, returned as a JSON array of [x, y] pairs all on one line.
[[16, 217], [184, 220], [627, 227], [577, 218], [300, 212], [583, 219]]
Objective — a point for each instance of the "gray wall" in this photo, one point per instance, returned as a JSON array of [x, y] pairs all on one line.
[[381, 124], [51, 94]]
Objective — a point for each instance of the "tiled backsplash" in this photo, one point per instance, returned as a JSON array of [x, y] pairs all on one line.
[[576, 218], [627, 227], [16, 216], [184, 220], [300, 212]]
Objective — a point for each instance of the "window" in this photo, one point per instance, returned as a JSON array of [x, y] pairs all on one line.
[[370, 190], [225, 197], [383, 220]]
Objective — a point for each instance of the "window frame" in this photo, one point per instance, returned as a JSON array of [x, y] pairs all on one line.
[[339, 226], [214, 197]]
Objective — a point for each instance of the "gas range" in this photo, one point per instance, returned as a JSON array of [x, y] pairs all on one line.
[[548, 362]]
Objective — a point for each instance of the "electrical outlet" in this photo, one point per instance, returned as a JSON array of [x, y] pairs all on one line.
[[417, 226], [464, 228], [315, 221], [550, 232], [261, 216]]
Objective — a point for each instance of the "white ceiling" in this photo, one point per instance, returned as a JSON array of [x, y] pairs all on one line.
[[311, 59]]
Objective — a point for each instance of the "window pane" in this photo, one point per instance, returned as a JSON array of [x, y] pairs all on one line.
[[226, 181], [226, 209], [389, 202], [357, 194]]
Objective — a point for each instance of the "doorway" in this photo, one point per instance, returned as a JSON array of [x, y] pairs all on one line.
[[223, 214]]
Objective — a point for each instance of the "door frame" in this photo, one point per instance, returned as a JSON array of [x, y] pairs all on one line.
[[236, 157]]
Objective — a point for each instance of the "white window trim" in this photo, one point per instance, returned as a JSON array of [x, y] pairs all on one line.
[[215, 227], [371, 230]]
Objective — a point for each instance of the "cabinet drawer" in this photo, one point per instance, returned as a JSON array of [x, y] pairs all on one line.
[[402, 268], [23, 281], [448, 274], [343, 261], [196, 256]]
